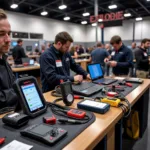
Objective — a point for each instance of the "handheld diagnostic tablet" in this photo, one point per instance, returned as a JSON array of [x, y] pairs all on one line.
[[31, 98]]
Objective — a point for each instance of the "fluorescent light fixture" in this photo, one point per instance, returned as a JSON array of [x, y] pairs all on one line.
[[84, 22], [100, 20], [86, 14], [66, 18], [148, 0], [94, 24], [112, 6], [44, 13], [139, 19], [13, 6], [127, 14], [62, 6]]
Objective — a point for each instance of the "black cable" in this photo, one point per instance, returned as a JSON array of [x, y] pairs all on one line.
[[62, 111], [6, 110]]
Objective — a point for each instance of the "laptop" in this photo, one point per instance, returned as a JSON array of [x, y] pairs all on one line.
[[97, 75], [86, 88], [28, 60]]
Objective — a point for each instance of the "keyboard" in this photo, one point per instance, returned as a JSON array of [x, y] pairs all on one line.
[[87, 88], [105, 81]]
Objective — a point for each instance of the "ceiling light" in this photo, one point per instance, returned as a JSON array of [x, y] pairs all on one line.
[[62, 6], [100, 20], [44, 13], [112, 6], [86, 14], [84, 22], [127, 14], [66, 18], [94, 24], [13, 6], [139, 19], [148, 0]]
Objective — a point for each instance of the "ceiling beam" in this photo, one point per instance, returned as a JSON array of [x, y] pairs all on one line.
[[143, 6], [133, 11], [34, 10], [73, 11], [91, 3], [52, 9]]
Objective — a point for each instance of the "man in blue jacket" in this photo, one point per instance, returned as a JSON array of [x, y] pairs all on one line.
[[56, 63], [121, 57]]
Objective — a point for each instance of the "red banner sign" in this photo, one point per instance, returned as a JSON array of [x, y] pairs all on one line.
[[107, 17]]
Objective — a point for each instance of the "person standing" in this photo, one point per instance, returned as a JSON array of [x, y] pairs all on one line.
[[18, 52], [121, 57], [142, 60], [99, 54], [8, 96]]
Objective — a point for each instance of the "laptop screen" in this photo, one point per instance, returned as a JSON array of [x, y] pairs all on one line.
[[95, 71]]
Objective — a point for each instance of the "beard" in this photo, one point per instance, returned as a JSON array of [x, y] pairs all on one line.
[[4, 48]]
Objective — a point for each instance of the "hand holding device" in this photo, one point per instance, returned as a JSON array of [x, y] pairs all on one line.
[[78, 78], [113, 63]]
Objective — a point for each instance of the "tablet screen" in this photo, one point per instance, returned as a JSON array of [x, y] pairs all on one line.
[[32, 97]]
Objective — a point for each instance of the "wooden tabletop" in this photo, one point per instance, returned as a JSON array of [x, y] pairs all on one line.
[[91, 136], [84, 55], [33, 56], [82, 60], [27, 68]]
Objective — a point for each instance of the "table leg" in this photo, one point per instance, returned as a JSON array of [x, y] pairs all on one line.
[[111, 139]]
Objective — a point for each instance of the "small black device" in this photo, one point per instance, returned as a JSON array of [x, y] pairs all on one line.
[[86, 88], [67, 93], [31, 98], [134, 80], [94, 106], [97, 75], [15, 119], [44, 133]]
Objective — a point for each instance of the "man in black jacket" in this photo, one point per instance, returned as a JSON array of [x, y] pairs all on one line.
[[56, 63], [142, 61], [7, 94], [18, 52]]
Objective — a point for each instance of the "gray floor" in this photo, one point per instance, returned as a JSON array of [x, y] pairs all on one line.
[[141, 144]]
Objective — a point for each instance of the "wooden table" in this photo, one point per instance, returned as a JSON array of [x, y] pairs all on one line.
[[104, 124], [33, 56], [83, 63]]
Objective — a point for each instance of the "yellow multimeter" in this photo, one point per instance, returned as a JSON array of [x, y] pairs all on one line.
[[112, 101]]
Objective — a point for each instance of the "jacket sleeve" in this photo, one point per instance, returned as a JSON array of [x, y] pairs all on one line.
[[23, 53], [77, 68], [49, 71], [139, 58], [129, 60], [8, 98]]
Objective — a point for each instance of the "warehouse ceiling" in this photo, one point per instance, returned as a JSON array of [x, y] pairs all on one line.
[[75, 8]]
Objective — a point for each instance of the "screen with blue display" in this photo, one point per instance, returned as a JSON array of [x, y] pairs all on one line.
[[95, 71], [32, 97]]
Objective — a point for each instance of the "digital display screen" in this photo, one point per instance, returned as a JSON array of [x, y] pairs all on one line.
[[13, 43], [41, 129], [95, 71], [31, 62], [32, 97]]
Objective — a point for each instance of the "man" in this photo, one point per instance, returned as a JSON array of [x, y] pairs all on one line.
[[7, 95], [133, 46], [56, 63], [18, 52], [121, 57], [80, 50], [107, 47], [142, 61], [99, 54]]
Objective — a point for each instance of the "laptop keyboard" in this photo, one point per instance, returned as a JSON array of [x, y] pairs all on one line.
[[86, 88]]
